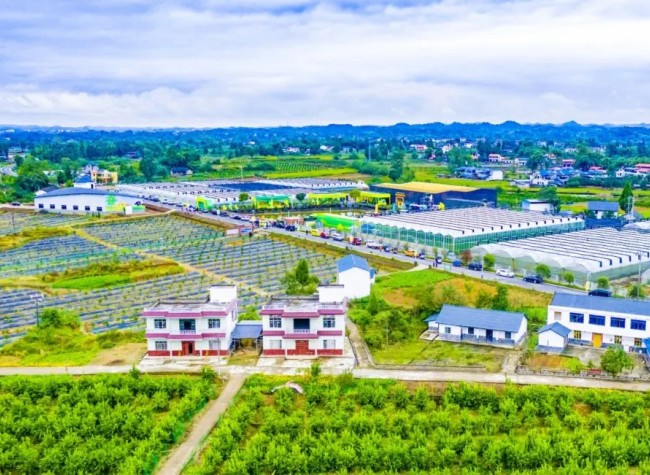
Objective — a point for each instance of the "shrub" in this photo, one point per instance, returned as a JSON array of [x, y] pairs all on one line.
[[615, 360], [602, 283], [489, 261], [543, 270]]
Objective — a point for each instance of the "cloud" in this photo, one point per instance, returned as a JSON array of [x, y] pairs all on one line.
[[271, 62]]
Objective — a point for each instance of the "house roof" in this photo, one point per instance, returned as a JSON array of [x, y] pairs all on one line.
[[537, 201], [351, 261], [247, 329], [555, 327], [80, 191], [50, 188], [432, 318], [480, 318], [603, 206], [603, 304], [84, 179]]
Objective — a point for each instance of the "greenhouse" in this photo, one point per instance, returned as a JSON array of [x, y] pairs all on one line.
[[336, 221], [461, 229], [589, 254]]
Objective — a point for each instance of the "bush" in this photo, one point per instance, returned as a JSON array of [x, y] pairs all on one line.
[[489, 261], [602, 283], [543, 270], [568, 278], [615, 360]]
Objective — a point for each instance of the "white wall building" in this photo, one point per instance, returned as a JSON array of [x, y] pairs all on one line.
[[355, 275], [602, 321], [553, 337], [305, 326], [85, 200], [541, 206], [475, 325], [190, 327]]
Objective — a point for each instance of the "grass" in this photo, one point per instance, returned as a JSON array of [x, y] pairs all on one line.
[[417, 278], [246, 357], [12, 241], [64, 347], [311, 173], [538, 361], [442, 353], [96, 275]]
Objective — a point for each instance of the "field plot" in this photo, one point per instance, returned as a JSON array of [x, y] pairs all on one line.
[[95, 424], [31, 220], [56, 254], [362, 426]]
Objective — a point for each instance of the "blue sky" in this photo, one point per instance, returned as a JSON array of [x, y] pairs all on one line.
[[209, 63]]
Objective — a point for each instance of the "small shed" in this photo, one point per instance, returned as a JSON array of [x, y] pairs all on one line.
[[247, 330], [542, 206], [553, 338], [356, 276], [599, 208]]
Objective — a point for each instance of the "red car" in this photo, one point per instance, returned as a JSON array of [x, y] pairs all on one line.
[[356, 241], [324, 235]]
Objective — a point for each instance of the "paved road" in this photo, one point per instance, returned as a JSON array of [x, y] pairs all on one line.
[[191, 446], [8, 170]]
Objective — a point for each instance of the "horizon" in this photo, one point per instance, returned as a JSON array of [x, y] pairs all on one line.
[[201, 64]]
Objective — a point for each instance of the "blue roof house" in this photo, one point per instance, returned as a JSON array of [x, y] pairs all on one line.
[[553, 338], [479, 326], [355, 275]]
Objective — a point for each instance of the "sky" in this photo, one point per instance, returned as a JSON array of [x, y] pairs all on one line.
[[220, 63]]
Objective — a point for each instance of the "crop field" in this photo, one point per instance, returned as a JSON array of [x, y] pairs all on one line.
[[95, 424], [31, 220], [341, 425]]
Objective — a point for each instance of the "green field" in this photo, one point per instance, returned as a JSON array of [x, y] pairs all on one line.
[[341, 425]]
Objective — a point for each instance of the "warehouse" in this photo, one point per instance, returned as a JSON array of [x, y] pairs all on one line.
[[428, 195], [460, 229], [87, 200], [587, 254]]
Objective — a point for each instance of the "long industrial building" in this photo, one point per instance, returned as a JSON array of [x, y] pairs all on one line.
[[460, 229], [429, 195]]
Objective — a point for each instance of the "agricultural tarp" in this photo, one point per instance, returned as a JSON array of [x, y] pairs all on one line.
[[336, 221]]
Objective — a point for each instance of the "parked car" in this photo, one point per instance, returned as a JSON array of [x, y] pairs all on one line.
[[373, 245], [237, 217], [475, 266], [224, 214], [324, 235], [315, 232], [421, 255], [15, 203], [387, 248], [338, 236], [505, 273], [451, 256], [601, 292], [394, 250], [457, 263], [409, 253], [291, 227], [355, 241], [439, 260], [534, 278]]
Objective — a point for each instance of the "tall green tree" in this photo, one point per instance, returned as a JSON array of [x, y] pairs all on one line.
[[300, 281], [148, 168], [549, 194], [627, 198], [615, 360], [500, 301]]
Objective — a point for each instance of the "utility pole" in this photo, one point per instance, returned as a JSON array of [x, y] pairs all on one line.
[[219, 357], [638, 293]]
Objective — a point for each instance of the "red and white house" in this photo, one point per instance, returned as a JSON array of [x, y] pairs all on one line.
[[305, 326], [191, 327]]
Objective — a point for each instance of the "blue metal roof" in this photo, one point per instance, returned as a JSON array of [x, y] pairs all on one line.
[[247, 329], [603, 304], [480, 318], [432, 318], [84, 179], [351, 261], [603, 206], [556, 327]]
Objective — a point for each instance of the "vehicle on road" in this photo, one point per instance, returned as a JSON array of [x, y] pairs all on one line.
[[291, 227], [324, 235], [338, 236], [451, 256], [534, 279], [238, 218], [505, 273], [224, 214], [457, 263], [15, 203], [421, 255], [373, 245], [475, 266], [409, 253], [315, 232], [355, 241], [601, 292]]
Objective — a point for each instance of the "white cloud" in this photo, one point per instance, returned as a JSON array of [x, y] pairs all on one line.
[[259, 62]]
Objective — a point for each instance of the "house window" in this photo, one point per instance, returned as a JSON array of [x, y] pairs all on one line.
[[99, 208], [214, 344], [75, 207], [329, 344], [470, 331], [597, 320], [214, 323], [508, 335], [52, 207], [161, 345], [637, 325], [87, 208], [41, 205], [557, 316], [577, 335], [64, 206], [576, 318], [617, 322], [618, 339], [276, 344], [160, 323], [275, 322], [638, 343], [329, 322], [447, 330]]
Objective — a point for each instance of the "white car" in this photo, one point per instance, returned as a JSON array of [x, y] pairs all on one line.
[[505, 273], [373, 245], [338, 236]]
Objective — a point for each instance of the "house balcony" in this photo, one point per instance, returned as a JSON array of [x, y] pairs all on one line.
[[301, 334], [187, 332]]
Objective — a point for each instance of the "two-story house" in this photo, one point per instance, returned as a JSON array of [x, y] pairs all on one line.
[[602, 321], [311, 325], [191, 327]]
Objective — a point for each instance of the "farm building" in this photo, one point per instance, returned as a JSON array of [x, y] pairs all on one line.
[[541, 206], [355, 275], [602, 321], [87, 200], [431, 194], [601, 208], [587, 254], [311, 325], [553, 338], [475, 325], [192, 327], [460, 229]]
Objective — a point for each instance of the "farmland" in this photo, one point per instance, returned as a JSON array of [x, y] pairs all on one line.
[[341, 425], [95, 424]]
